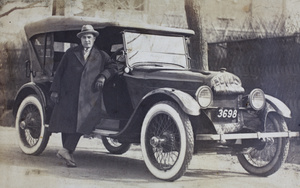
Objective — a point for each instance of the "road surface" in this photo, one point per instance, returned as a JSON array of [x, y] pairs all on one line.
[[97, 168]]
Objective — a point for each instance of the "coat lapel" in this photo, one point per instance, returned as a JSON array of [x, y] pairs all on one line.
[[94, 55], [79, 54]]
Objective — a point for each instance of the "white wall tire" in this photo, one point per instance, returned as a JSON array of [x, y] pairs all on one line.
[[31, 134], [267, 160], [167, 141]]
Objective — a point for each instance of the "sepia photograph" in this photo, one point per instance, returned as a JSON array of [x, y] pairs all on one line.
[[149, 93]]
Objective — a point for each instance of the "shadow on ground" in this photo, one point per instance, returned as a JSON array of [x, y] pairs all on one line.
[[99, 165]]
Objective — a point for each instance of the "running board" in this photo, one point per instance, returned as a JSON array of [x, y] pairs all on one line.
[[258, 135], [103, 132]]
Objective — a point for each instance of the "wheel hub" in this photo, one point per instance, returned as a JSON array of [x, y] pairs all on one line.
[[29, 120], [165, 142], [156, 141], [30, 124], [22, 125]]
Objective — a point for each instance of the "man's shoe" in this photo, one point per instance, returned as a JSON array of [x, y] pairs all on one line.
[[72, 158], [64, 154]]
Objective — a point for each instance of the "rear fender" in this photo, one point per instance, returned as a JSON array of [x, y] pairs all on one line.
[[26, 90]]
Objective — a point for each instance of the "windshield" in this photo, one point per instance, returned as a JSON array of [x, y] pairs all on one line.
[[148, 51]]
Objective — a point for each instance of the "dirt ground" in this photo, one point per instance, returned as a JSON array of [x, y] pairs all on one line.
[[97, 168]]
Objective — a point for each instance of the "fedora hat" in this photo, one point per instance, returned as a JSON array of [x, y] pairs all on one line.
[[87, 29]]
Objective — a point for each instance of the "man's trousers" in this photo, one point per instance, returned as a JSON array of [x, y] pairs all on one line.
[[70, 140]]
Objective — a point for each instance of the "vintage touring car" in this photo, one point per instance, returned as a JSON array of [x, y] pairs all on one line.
[[156, 100]]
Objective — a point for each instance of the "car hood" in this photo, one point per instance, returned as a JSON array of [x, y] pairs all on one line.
[[221, 82]]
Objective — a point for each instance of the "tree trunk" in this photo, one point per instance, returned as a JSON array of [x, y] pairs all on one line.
[[58, 7], [198, 46]]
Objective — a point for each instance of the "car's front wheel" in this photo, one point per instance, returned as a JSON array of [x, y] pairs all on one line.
[[267, 157], [167, 141], [32, 135]]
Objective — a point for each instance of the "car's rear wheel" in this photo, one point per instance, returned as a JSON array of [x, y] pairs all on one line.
[[167, 141], [114, 146], [32, 135], [267, 157]]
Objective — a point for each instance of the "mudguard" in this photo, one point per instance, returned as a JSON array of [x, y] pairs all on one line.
[[188, 104], [131, 131], [275, 105], [24, 91]]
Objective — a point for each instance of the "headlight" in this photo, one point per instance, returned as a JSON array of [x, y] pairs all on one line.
[[257, 99], [204, 96]]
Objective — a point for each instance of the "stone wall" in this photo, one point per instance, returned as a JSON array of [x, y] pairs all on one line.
[[228, 20], [159, 12]]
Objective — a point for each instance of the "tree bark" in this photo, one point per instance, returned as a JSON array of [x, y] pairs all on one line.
[[19, 8], [58, 7], [198, 46]]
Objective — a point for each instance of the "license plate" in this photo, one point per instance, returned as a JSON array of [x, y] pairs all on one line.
[[228, 114]]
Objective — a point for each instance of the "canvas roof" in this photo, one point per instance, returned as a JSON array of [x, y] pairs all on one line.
[[63, 23]]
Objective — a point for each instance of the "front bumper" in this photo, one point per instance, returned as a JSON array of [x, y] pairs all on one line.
[[258, 135]]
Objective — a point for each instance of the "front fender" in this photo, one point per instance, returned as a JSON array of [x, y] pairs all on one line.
[[188, 104], [275, 105], [131, 131]]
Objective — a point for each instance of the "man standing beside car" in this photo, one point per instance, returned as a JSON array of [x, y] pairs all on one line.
[[76, 92]]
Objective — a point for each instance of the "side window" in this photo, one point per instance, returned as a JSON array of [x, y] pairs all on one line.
[[43, 45], [49, 52]]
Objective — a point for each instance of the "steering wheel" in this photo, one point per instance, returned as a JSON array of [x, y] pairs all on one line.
[[116, 53]]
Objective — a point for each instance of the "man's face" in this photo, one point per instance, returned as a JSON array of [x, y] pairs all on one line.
[[88, 40]]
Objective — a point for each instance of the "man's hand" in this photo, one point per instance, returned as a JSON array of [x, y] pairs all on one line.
[[99, 83], [54, 97]]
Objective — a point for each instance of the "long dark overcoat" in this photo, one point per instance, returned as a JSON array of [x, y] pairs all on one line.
[[79, 104]]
